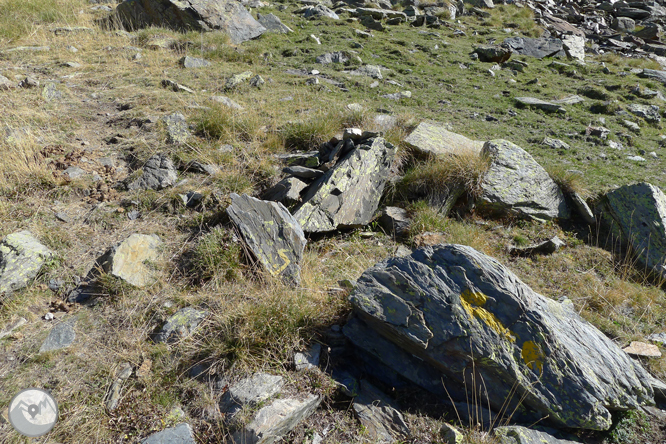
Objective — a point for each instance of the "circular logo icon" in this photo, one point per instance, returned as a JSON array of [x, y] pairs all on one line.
[[33, 412]]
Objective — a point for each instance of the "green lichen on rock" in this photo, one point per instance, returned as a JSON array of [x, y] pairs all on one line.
[[21, 258], [515, 183], [348, 195], [180, 325]]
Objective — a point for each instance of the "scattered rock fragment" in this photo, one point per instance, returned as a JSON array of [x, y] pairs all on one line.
[[303, 172], [237, 79], [540, 104], [5, 83], [250, 391], [332, 57], [433, 139], [176, 87], [180, 434], [309, 359], [648, 112], [382, 421], [546, 247], [50, 93], [131, 259], [287, 191], [395, 221], [177, 129], [493, 53], [61, 336], [193, 62], [157, 173], [21, 258], [180, 325], [317, 11], [272, 234], [556, 144], [538, 48], [641, 349], [226, 101], [273, 24]]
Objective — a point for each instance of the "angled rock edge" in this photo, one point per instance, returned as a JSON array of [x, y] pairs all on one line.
[[636, 217], [450, 305], [272, 233], [516, 183], [347, 196], [199, 15]]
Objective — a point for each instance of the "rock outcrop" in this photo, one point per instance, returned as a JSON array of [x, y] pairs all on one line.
[[515, 183], [193, 15], [347, 196], [462, 313]]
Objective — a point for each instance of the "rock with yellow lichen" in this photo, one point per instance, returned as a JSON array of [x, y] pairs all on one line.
[[451, 316], [272, 234]]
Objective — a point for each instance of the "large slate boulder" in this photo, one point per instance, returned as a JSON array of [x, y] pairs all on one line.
[[636, 216], [21, 258], [465, 317], [433, 139], [193, 15], [515, 183], [347, 196], [273, 235]]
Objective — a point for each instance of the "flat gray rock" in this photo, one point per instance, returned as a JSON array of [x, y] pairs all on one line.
[[250, 392], [636, 216], [21, 258], [378, 414], [516, 183], [538, 48], [287, 191], [193, 62], [540, 104], [181, 434], [430, 138], [226, 101], [660, 76], [199, 15], [303, 172], [523, 435], [308, 359], [348, 194], [318, 11], [447, 303], [273, 24], [272, 234], [61, 336], [582, 208], [556, 144], [180, 325], [648, 112], [157, 173]]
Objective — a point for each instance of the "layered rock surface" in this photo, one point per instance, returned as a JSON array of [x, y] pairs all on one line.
[[460, 311], [347, 196], [516, 183]]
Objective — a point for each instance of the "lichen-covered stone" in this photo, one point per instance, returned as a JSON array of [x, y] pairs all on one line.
[[347, 195], [180, 325], [636, 217], [176, 126], [523, 435], [430, 138], [273, 235], [199, 15], [276, 420], [21, 258], [458, 312], [515, 183], [131, 259]]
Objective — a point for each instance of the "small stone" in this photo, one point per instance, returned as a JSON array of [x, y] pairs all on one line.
[[63, 217], [450, 434], [181, 434], [193, 62], [61, 336], [555, 143], [257, 81], [180, 325], [227, 102], [28, 82], [643, 349], [130, 260], [309, 359], [658, 337], [51, 93], [176, 87], [250, 392]]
